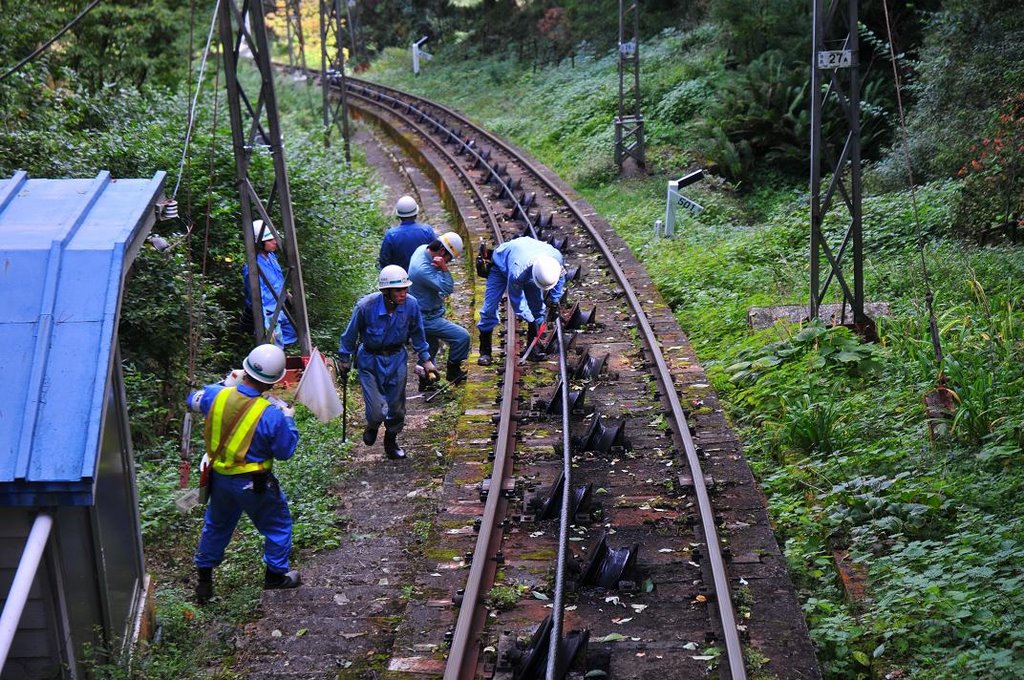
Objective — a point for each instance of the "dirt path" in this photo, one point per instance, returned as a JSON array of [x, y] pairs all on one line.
[[342, 621]]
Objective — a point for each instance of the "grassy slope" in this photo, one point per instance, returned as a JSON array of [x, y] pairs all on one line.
[[844, 455]]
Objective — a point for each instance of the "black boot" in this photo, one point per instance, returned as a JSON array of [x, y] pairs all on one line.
[[391, 448], [454, 373], [204, 586], [275, 579], [370, 433], [485, 348]]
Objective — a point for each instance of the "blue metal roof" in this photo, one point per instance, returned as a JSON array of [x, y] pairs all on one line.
[[65, 247]]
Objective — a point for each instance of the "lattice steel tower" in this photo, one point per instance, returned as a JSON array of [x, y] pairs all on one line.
[[332, 71], [256, 131], [629, 124], [835, 91]]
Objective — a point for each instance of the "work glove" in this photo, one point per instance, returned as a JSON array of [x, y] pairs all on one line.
[[552, 312], [430, 371], [343, 368]]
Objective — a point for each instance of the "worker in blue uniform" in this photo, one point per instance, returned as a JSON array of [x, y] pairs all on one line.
[[526, 269], [381, 324], [431, 284], [402, 240], [245, 433], [271, 283]]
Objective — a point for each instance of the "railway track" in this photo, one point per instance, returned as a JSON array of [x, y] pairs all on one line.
[[644, 569]]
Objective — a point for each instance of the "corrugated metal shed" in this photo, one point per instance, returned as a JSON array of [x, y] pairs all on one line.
[[65, 247]]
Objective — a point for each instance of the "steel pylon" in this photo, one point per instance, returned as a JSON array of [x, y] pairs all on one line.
[[265, 195], [835, 91]]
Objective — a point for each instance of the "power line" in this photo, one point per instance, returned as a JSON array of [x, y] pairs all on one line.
[[39, 50]]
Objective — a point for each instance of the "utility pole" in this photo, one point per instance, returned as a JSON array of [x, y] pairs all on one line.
[[629, 124], [332, 72], [835, 83], [256, 130]]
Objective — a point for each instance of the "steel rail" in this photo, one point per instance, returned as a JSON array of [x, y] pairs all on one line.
[[466, 146], [727, 616], [464, 652]]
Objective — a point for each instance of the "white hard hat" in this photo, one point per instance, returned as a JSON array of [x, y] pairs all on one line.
[[406, 207], [393, 276], [257, 227], [265, 364], [452, 242], [546, 272]]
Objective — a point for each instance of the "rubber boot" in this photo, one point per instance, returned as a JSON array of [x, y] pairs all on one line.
[[391, 448], [204, 586], [370, 433], [273, 580], [485, 348], [454, 373]]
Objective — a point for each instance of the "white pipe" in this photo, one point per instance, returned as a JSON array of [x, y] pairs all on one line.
[[23, 578]]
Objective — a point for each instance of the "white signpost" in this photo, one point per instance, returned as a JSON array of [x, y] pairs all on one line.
[[676, 200], [418, 54]]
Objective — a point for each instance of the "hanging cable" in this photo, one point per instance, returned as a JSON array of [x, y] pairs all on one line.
[[929, 297], [195, 100], [42, 48]]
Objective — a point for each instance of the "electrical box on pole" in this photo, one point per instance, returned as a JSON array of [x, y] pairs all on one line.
[[629, 123], [835, 92], [256, 131], [332, 72]]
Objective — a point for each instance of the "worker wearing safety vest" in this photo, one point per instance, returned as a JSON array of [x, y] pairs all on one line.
[[431, 284], [526, 269], [402, 240], [245, 433], [380, 326]]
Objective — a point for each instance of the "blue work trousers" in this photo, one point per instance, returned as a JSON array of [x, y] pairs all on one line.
[[383, 381], [230, 495], [440, 329], [497, 282]]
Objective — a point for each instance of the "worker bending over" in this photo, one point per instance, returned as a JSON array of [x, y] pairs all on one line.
[[431, 284], [402, 240], [381, 324], [245, 433], [526, 269]]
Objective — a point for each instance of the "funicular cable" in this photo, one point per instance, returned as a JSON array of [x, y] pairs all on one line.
[[929, 298]]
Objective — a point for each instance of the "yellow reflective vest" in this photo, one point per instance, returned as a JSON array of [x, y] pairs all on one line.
[[230, 426]]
